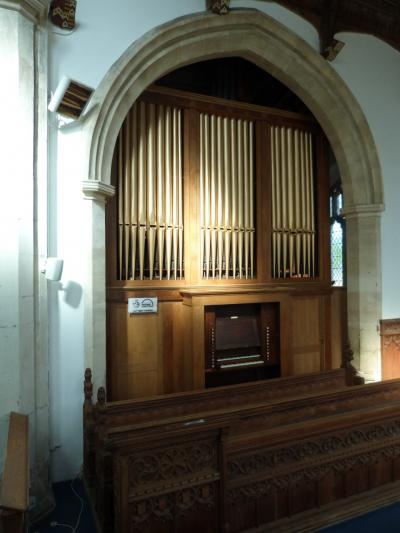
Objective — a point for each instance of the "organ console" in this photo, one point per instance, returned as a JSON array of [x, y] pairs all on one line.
[[242, 342]]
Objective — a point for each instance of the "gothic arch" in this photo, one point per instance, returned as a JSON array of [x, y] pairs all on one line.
[[260, 39]]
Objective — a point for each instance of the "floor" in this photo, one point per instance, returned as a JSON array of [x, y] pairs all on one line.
[[384, 520], [70, 513]]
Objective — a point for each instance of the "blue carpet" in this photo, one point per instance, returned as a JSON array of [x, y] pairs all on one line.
[[383, 520], [70, 514]]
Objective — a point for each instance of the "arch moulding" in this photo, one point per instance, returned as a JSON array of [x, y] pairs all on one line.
[[270, 45]]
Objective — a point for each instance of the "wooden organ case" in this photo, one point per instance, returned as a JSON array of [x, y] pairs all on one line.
[[221, 213]]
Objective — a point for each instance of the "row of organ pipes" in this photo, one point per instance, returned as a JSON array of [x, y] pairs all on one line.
[[293, 211], [150, 199], [226, 197]]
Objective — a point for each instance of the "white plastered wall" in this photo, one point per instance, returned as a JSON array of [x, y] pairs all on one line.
[[102, 35]]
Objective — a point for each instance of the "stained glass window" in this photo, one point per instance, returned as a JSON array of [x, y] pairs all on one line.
[[337, 229]]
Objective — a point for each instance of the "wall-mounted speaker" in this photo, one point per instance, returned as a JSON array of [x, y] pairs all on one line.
[[53, 268], [70, 98]]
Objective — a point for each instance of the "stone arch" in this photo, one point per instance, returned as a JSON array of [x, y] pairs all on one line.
[[260, 39]]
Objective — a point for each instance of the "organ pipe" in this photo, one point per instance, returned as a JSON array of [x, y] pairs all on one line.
[[293, 209], [150, 188], [226, 197]]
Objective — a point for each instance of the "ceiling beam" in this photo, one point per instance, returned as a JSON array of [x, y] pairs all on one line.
[[380, 18]]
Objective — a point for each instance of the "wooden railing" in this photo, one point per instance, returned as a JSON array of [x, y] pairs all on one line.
[[15, 481]]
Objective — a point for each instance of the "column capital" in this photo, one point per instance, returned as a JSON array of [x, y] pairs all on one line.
[[362, 210], [33, 10], [97, 190]]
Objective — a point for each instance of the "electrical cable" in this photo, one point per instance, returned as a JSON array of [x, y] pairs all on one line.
[[74, 529], [81, 510], [59, 524]]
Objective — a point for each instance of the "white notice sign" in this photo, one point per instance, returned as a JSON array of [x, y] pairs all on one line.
[[142, 305]]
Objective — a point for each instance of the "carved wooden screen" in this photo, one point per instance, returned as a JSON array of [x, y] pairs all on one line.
[[150, 194], [226, 197], [293, 204]]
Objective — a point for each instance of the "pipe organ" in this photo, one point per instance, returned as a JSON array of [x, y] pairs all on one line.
[[218, 203]]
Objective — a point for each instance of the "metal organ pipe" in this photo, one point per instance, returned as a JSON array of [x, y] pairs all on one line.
[[133, 156], [227, 223], [220, 218], [251, 228]]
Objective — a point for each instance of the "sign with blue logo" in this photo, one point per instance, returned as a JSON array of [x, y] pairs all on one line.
[[142, 305]]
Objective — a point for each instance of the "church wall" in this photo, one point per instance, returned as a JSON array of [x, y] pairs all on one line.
[[101, 36], [66, 360]]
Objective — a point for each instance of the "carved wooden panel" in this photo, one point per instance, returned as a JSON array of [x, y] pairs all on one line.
[[170, 488], [148, 471], [390, 348], [309, 473]]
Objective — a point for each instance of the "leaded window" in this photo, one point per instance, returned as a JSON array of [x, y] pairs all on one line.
[[338, 236]]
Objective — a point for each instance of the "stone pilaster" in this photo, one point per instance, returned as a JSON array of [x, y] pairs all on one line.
[[364, 286], [96, 194]]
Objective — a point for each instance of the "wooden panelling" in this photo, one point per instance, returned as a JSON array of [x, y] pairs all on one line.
[[356, 481], [199, 102], [164, 352], [173, 347], [390, 348], [146, 354], [307, 334], [134, 363], [338, 324]]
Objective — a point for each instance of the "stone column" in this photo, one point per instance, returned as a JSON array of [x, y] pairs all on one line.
[[23, 232], [364, 287]]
